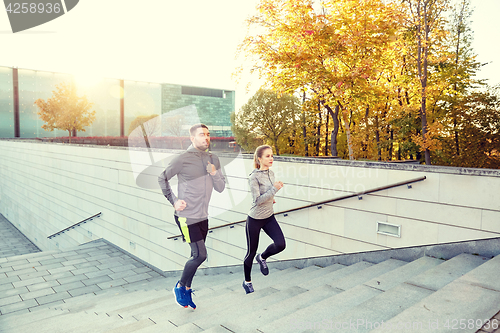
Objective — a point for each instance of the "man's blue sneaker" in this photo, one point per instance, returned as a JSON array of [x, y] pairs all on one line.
[[262, 263], [180, 295], [190, 292], [248, 287]]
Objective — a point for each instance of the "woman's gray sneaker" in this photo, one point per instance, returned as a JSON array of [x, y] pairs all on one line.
[[262, 263], [248, 287]]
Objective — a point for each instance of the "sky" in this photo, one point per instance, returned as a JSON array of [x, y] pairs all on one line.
[[190, 42]]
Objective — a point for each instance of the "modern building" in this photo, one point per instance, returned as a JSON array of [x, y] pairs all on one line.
[[117, 103]]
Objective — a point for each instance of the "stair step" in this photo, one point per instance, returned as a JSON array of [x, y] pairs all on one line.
[[380, 308], [445, 308], [259, 281], [397, 296], [156, 283], [10, 322], [336, 274], [404, 273], [214, 329], [124, 301], [355, 293], [105, 325], [324, 309], [448, 271], [212, 306], [245, 306], [206, 295], [270, 312], [485, 275], [367, 274], [26, 256], [30, 281], [41, 254], [156, 328], [12, 241], [67, 322], [301, 276], [132, 327], [387, 281]]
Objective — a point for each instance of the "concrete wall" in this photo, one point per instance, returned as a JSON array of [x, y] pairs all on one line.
[[45, 187]]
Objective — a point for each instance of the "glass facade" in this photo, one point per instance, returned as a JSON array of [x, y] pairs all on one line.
[[141, 99], [6, 103], [211, 106], [105, 95], [32, 86]]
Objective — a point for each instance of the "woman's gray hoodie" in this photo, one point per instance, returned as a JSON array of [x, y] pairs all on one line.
[[262, 188], [195, 184]]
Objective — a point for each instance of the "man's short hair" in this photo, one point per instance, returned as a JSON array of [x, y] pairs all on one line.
[[193, 128]]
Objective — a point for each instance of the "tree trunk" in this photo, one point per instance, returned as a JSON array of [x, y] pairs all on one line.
[[326, 133], [391, 145], [335, 131], [377, 140], [348, 132], [304, 129], [422, 58], [457, 51], [367, 134], [318, 131]]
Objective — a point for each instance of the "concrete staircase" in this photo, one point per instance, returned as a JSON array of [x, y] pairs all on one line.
[[12, 241], [424, 295], [35, 280]]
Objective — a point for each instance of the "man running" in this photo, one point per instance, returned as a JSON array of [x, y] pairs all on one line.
[[198, 172]]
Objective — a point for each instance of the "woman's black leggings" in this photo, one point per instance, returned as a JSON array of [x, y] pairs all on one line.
[[272, 229]]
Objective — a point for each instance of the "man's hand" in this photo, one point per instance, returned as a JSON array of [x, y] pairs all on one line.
[[211, 169], [179, 205]]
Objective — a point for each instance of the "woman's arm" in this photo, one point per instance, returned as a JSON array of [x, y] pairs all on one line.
[[257, 197]]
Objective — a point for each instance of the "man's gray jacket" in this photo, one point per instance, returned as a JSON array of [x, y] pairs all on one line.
[[195, 184]]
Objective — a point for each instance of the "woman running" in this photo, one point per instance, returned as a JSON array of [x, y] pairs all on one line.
[[261, 215]]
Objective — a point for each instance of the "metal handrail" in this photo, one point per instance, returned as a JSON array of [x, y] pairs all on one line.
[[347, 196], [75, 225]]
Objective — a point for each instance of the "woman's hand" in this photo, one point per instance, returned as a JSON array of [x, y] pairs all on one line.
[[278, 185]]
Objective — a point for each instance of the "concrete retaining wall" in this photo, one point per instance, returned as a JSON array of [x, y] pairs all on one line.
[[46, 187]]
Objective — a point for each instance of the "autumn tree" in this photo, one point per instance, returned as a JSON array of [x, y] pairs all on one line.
[[248, 140], [425, 23], [65, 110], [335, 52], [478, 119], [460, 73], [267, 117]]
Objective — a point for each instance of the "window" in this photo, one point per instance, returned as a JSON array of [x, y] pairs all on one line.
[[196, 91]]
